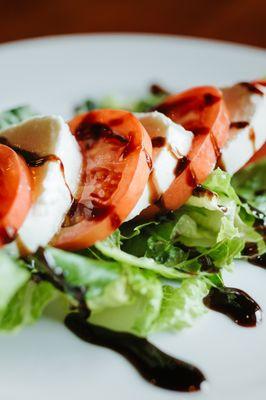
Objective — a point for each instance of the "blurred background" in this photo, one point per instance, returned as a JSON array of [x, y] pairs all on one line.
[[242, 21]]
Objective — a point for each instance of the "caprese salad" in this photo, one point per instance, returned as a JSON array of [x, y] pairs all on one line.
[[131, 214]]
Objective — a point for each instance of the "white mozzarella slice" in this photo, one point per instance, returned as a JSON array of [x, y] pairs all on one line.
[[244, 106], [48, 135], [177, 144]]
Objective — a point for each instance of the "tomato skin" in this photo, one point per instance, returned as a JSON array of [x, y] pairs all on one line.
[[15, 193], [117, 161], [203, 111], [259, 155]]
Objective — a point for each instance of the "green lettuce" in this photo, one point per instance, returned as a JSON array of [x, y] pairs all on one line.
[[16, 115], [207, 233], [22, 301], [27, 305], [125, 298], [141, 105], [250, 184]]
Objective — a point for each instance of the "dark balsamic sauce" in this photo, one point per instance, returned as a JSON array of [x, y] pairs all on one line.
[[155, 366], [90, 211], [90, 132], [181, 165], [158, 90], [200, 130], [220, 163], [179, 106], [7, 234], [239, 124], [153, 189], [129, 148], [48, 272], [259, 261], [158, 141], [234, 303], [32, 159], [201, 191], [210, 99], [250, 249], [192, 178], [35, 160], [251, 87]]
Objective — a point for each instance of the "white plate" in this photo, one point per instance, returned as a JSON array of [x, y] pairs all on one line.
[[46, 361]]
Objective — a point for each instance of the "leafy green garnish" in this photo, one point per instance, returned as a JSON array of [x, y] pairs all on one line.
[[14, 116], [250, 184]]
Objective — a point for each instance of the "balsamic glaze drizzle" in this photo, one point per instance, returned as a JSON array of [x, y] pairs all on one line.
[[158, 141], [234, 303], [251, 87], [155, 366], [201, 191], [158, 90], [8, 234], [31, 158], [259, 261], [239, 124]]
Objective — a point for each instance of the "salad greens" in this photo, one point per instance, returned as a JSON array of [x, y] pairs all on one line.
[[15, 115], [250, 184], [145, 277], [141, 105]]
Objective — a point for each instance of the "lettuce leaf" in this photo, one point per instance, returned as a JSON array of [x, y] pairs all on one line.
[[15, 115], [250, 184], [110, 248], [21, 300], [207, 233], [125, 298], [13, 275], [27, 305]]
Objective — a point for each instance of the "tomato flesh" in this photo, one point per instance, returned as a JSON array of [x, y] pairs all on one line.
[[117, 162], [15, 193]]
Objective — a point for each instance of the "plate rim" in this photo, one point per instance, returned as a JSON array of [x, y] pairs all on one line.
[[114, 35]]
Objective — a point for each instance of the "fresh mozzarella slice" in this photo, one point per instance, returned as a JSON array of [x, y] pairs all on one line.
[[170, 142], [246, 104], [53, 180]]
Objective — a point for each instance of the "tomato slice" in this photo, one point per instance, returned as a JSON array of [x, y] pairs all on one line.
[[201, 110], [15, 193], [117, 162]]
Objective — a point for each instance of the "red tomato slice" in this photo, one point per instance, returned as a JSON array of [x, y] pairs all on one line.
[[15, 193], [117, 162], [202, 111]]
